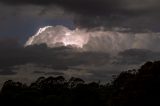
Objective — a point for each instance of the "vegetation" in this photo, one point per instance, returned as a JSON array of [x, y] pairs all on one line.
[[130, 88]]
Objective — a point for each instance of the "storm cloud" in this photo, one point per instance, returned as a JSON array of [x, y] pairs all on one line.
[[112, 41], [119, 34], [137, 15], [27, 64]]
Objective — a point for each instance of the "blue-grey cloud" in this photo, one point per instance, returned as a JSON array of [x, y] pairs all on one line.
[[137, 15]]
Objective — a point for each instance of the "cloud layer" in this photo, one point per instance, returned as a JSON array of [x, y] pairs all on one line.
[[26, 64], [95, 62], [101, 41], [137, 15]]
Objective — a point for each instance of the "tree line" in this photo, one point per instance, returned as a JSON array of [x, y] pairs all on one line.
[[139, 87]]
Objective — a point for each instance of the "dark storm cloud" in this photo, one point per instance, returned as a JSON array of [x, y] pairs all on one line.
[[48, 73], [136, 56], [7, 71], [135, 14], [81, 6], [63, 58], [59, 58], [39, 60], [9, 42], [54, 73], [101, 7]]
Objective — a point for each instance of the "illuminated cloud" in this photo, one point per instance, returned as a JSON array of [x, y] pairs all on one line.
[[96, 40], [59, 35]]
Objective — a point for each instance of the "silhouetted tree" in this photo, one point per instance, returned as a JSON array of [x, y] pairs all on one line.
[[130, 88], [73, 82]]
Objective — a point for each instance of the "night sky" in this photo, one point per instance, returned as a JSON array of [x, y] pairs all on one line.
[[91, 39]]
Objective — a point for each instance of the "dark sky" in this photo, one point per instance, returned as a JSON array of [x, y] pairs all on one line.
[[22, 18]]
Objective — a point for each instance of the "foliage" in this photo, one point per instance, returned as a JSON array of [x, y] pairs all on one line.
[[130, 88]]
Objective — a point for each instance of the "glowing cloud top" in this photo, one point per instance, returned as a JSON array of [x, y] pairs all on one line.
[[53, 36]]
